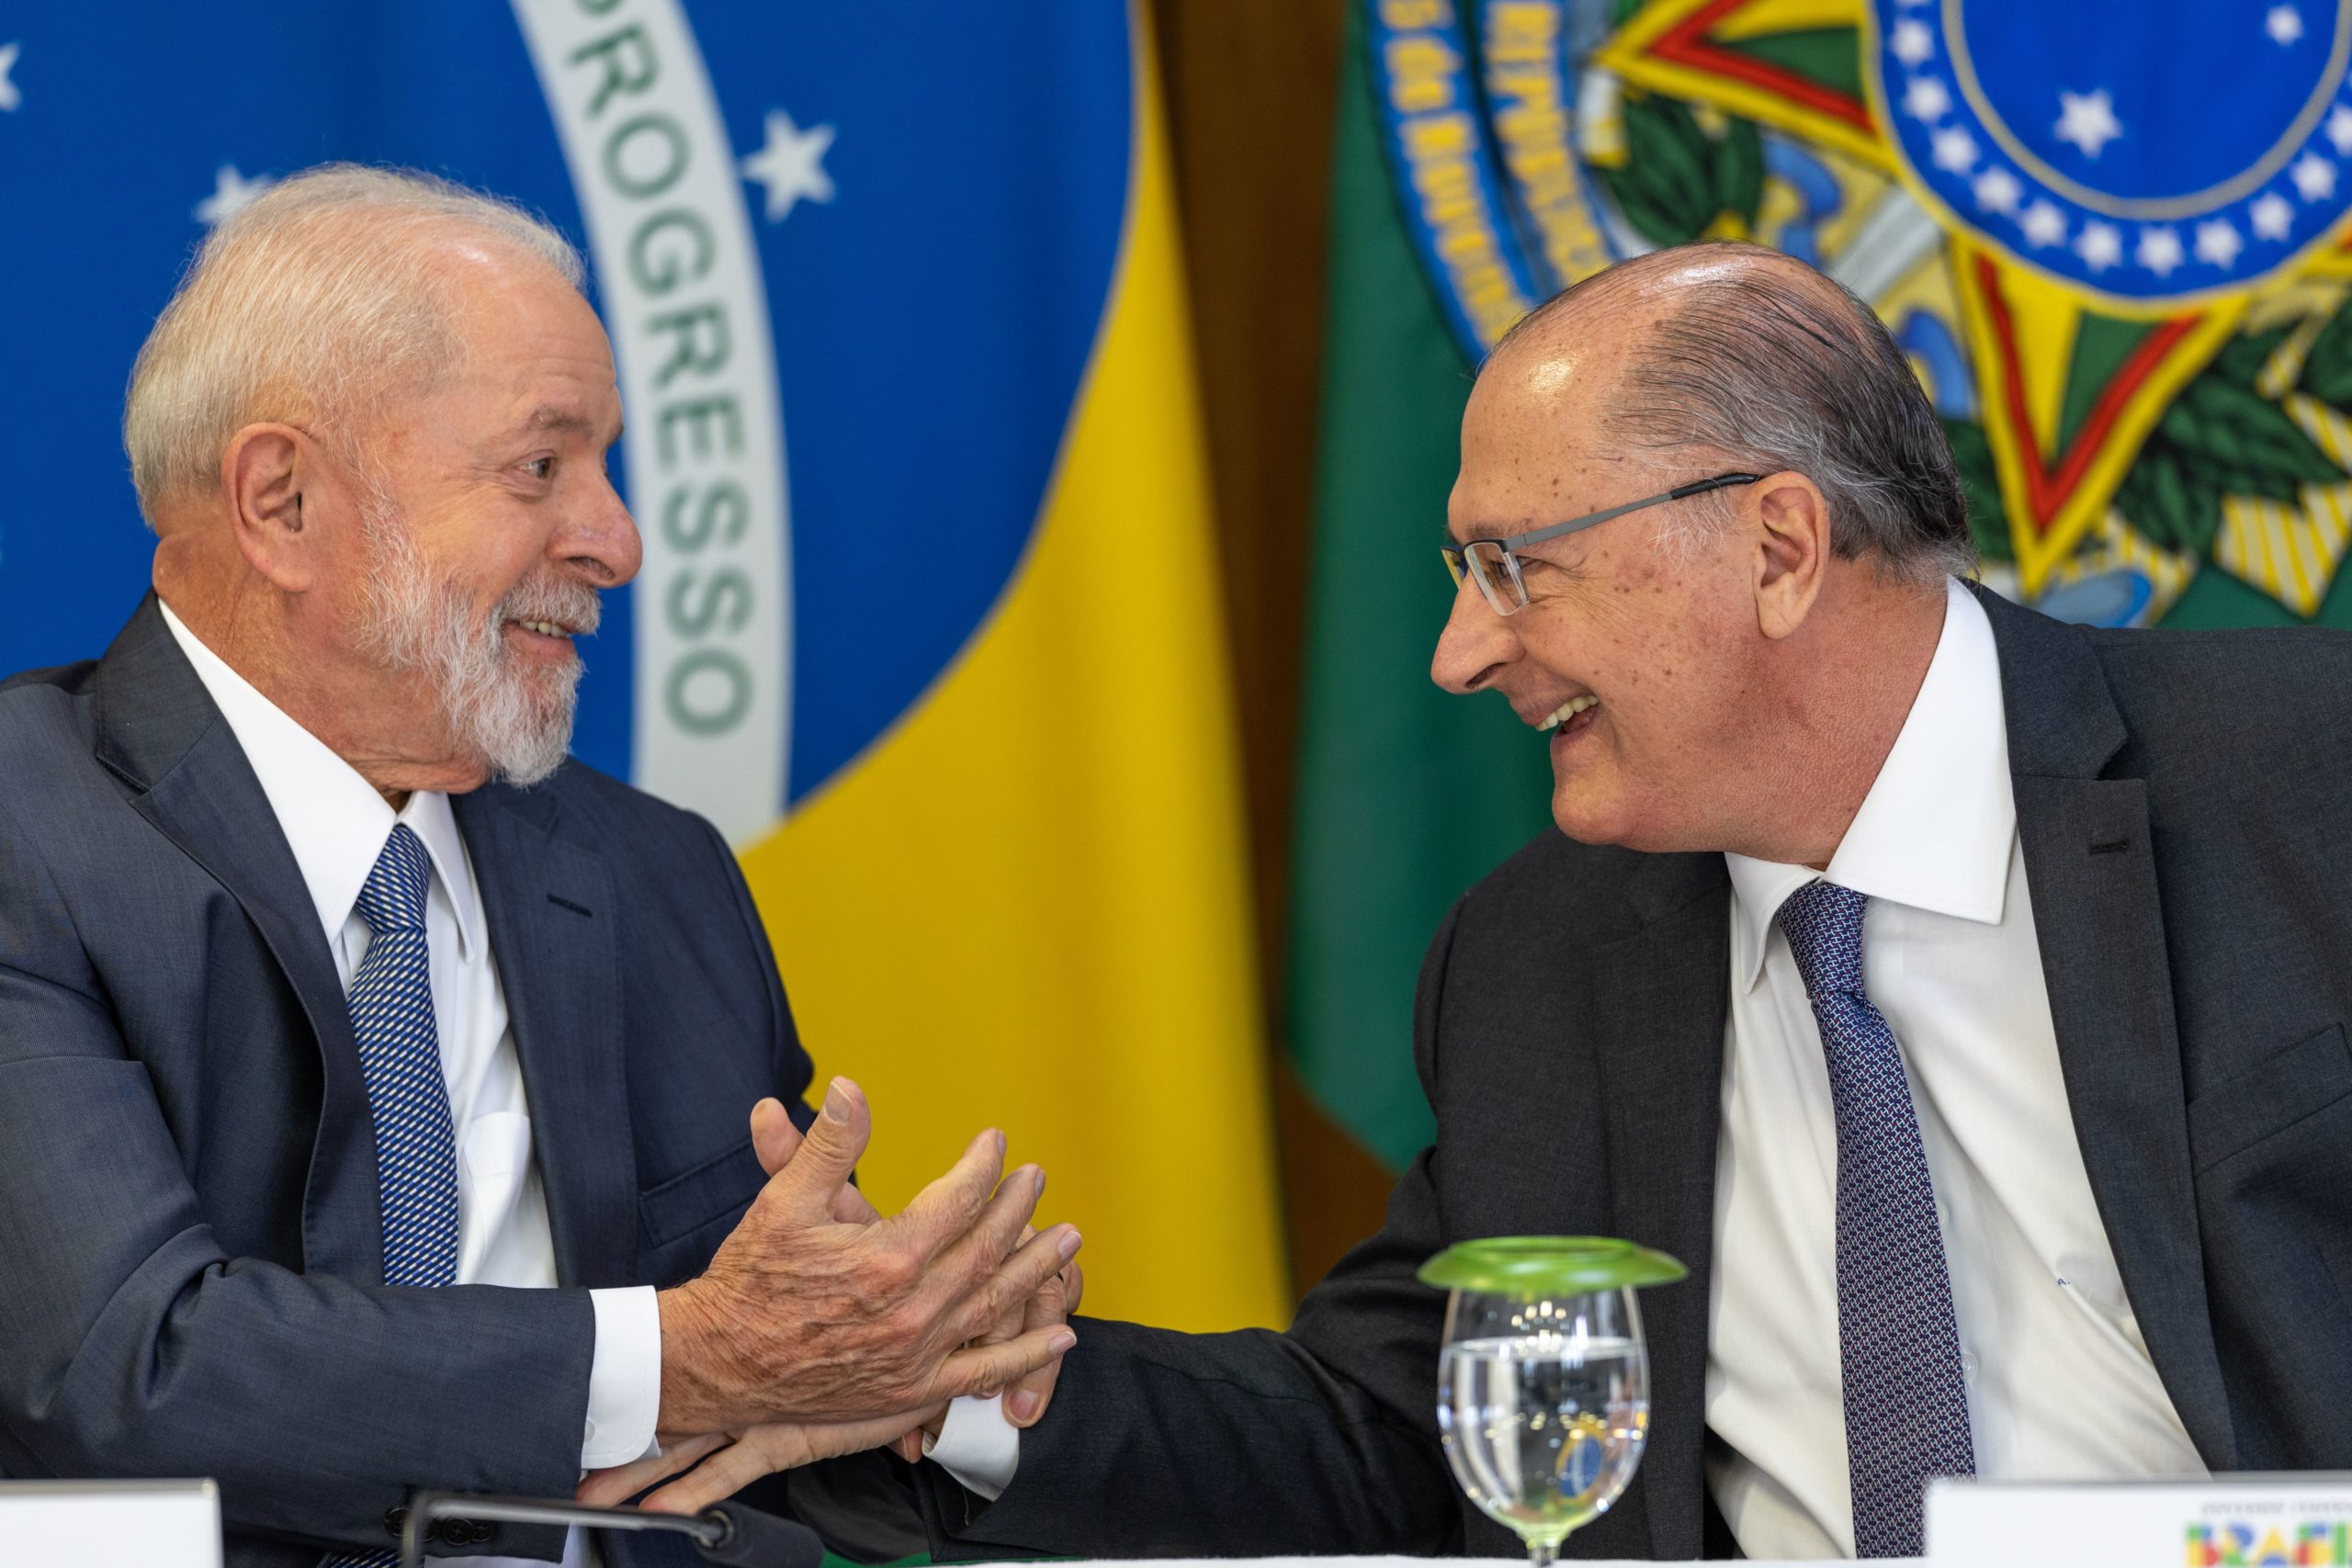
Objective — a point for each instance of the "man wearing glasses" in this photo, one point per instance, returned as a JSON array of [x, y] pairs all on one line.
[[1960, 993]]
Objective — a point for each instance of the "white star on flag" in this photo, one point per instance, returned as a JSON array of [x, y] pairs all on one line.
[[1955, 148], [232, 193], [1911, 42], [2272, 216], [2087, 120], [1927, 98], [2314, 177], [2043, 224], [2218, 243], [2284, 24], [2100, 247], [792, 165], [2160, 250], [2339, 128], [1997, 190], [9, 96]]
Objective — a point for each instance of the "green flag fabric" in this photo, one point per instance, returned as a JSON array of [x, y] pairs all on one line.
[[1406, 794]]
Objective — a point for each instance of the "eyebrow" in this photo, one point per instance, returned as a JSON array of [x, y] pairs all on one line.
[[547, 416], [1447, 541]]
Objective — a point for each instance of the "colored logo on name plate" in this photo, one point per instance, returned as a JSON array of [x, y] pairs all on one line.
[[2245, 1543]]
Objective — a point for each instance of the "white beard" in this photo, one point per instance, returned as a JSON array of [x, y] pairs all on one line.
[[515, 720]]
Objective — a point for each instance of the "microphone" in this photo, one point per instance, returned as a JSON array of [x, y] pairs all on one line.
[[731, 1533]]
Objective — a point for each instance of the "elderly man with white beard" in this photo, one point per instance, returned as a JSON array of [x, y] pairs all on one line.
[[374, 1079]]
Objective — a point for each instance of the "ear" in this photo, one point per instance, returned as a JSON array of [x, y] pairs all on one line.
[[1790, 534], [270, 476]]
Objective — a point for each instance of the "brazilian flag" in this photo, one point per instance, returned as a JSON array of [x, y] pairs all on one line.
[[928, 624]]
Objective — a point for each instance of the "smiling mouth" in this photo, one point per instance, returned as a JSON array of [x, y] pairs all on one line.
[[1567, 711], [544, 628]]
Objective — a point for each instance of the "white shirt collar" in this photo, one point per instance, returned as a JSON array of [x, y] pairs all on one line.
[[334, 820], [1934, 833]]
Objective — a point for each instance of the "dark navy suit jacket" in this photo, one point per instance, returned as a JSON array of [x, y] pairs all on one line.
[[2187, 841], [190, 1251]]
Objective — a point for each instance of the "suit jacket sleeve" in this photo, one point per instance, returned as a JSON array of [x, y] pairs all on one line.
[[1318, 1440], [132, 1344]]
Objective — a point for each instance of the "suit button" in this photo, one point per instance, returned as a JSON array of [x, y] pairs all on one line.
[[484, 1532], [395, 1521]]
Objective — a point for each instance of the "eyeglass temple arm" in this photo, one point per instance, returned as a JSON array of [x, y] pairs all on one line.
[[1578, 525], [1700, 487]]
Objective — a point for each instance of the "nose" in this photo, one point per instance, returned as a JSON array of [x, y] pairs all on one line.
[[1476, 644], [598, 541]]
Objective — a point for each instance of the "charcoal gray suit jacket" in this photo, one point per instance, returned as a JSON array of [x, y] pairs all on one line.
[[2186, 824], [190, 1249]]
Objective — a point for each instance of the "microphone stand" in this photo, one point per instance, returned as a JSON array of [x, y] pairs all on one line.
[[729, 1533]]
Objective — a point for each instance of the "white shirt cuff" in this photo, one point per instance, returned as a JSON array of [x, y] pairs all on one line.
[[624, 1378], [977, 1446]]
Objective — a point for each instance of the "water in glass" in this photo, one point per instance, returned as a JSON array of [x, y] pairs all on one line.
[[1544, 1424]]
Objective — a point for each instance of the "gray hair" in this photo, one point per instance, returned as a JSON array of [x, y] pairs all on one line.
[[318, 301], [1782, 368]]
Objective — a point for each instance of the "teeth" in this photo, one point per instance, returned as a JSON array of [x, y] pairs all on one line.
[[1568, 710], [544, 628]]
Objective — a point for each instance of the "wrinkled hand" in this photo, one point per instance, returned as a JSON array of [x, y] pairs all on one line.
[[723, 1463], [776, 1140], [816, 1310]]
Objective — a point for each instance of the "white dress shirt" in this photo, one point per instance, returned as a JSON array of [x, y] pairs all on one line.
[[2060, 1384], [336, 825]]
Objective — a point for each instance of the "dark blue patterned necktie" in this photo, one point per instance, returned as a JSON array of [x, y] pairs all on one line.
[[399, 1060], [1906, 1402]]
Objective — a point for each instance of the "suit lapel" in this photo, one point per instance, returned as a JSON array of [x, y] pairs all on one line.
[[158, 730], [2090, 865], [1658, 1035], [552, 913]]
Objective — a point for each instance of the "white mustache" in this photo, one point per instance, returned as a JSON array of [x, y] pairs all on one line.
[[572, 604]]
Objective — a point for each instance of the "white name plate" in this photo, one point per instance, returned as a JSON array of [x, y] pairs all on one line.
[[110, 1524], [2237, 1521]]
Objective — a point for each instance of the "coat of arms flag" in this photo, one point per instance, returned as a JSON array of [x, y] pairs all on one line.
[[2110, 236]]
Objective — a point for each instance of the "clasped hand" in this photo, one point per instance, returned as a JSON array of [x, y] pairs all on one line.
[[823, 1327]]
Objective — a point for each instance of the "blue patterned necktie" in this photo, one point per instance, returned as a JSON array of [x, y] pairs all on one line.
[[399, 1060], [1906, 1402]]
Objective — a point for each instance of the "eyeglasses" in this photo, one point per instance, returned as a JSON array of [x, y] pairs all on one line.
[[1494, 565]]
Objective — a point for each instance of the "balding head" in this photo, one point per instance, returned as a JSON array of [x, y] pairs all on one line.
[[336, 291], [1751, 355]]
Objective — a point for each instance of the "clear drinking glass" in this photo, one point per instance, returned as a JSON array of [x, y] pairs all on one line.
[[1543, 1384]]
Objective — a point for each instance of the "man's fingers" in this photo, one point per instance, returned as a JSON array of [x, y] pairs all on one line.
[[1020, 1277], [608, 1488], [829, 1151], [1073, 1287], [1025, 1401], [715, 1480], [775, 1140], [780, 1445], [773, 1137], [977, 1369], [851, 1208], [1002, 1223], [947, 1208]]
